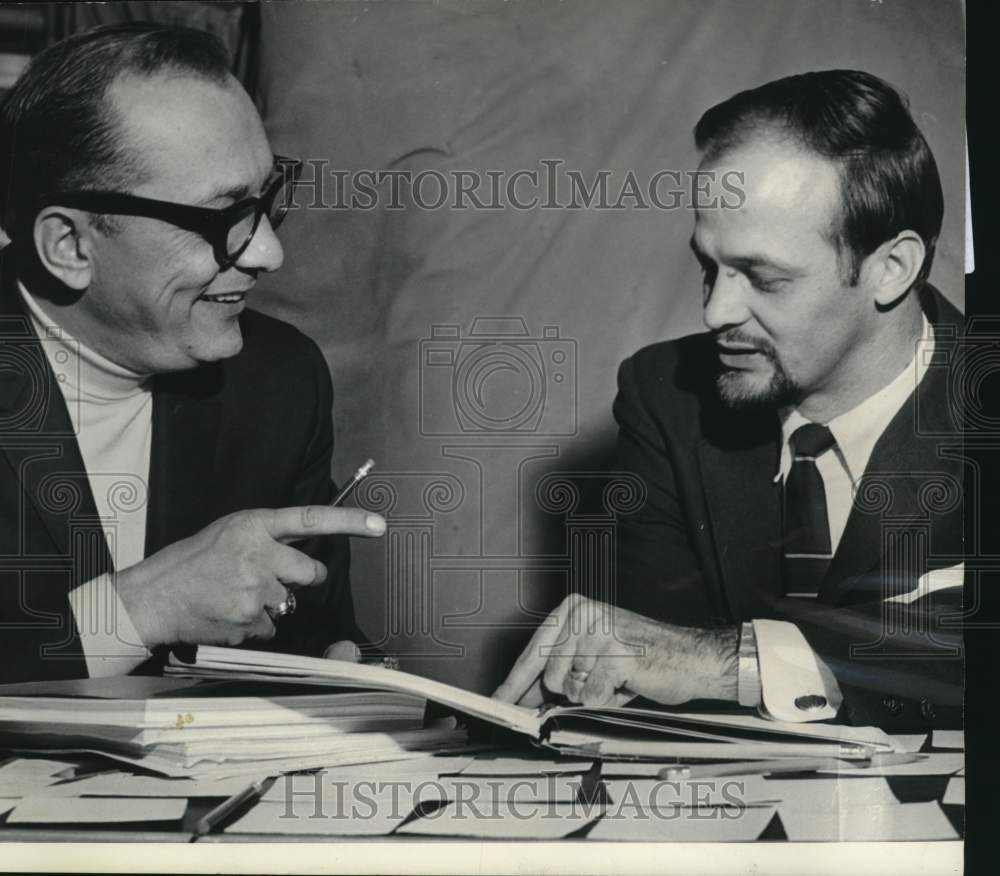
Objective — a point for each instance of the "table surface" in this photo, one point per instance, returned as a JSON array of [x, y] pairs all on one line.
[[913, 788]]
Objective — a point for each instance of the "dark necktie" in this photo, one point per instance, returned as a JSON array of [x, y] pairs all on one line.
[[807, 527]]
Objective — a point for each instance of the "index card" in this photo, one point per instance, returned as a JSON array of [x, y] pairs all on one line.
[[93, 810], [498, 820], [904, 821], [684, 825], [948, 739]]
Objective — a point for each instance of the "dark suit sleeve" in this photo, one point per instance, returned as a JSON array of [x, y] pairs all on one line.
[[325, 614], [659, 574], [899, 665]]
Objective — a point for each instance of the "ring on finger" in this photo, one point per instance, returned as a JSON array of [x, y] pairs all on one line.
[[579, 675], [286, 606]]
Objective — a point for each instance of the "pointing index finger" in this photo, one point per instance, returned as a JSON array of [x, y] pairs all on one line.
[[306, 521], [531, 664]]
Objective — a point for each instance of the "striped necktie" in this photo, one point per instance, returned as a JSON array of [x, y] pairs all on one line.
[[807, 548]]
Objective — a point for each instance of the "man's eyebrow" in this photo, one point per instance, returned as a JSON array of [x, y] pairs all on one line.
[[234, 193], [750, 262], [753, 261]]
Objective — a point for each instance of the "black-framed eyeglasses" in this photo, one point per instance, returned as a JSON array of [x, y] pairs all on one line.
[[229, 230]]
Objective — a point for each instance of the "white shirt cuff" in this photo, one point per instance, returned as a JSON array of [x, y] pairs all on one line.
[[111, 644], [796, 685]]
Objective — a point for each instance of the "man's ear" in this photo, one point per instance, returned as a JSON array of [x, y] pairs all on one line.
[[893, 267], [63, 243]]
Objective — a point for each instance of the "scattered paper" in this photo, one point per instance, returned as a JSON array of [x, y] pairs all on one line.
[[497, 820], [330, 791], [441, 765], [127, 785], [272, 819], [553, 788], [830, 794], [358, 810], [904, 821], [613, 768], [77, 810], [34, 770], [684, 825], [949, 739], [524, 766], [954, 794], [944, 764], [731, 791], [910, 743]]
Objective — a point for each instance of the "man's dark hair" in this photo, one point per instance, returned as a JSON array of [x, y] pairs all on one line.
[[57, 130], [888, 178]]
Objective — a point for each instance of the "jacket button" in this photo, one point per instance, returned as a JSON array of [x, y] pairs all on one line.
[[927, 710], [892, 705]]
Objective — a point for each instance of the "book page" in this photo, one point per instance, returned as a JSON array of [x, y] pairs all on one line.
[[338, 672]]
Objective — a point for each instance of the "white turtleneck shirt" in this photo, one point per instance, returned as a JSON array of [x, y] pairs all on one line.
[[111, 410]]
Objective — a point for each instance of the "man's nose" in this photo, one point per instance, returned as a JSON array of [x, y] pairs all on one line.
[[264, 252], [724, 305]]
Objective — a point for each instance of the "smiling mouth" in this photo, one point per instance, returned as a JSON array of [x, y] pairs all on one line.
[[224, 298]]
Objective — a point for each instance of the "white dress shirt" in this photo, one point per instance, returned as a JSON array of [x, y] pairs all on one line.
[[111, 410], [788, 667]]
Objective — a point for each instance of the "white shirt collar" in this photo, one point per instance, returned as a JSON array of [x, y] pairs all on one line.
[[857, 430]]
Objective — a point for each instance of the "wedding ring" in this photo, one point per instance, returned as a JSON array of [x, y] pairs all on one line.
[[286, 606], [579, 675]]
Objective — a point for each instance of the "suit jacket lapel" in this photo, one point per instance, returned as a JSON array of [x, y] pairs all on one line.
[[38, 441], [745, 509], [904, 461], [184, 453]]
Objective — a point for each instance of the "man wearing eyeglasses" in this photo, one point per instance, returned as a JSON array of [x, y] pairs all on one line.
[[164, 452]]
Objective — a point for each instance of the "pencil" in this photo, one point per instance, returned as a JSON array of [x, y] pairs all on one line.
[[783, 765], [251, 794], [359, 476], [653, 750]]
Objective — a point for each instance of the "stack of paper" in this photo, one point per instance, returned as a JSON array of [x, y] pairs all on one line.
[[217, 736]]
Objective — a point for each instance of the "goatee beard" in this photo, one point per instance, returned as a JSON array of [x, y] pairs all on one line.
[[780, 391]]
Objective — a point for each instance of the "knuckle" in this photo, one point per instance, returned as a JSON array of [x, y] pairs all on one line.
[[245, 521], [249, 608], [310, 517]]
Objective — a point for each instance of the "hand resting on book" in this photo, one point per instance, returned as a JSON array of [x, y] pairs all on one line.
[[599, 655]]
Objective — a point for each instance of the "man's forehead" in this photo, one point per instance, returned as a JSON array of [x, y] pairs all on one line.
[[780, 176], [192, 135], [790, 196]]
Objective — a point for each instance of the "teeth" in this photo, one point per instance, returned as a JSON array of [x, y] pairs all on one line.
[[225, 299]]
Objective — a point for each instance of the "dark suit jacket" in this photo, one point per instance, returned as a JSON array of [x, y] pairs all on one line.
[[706, 546], [253, 431]]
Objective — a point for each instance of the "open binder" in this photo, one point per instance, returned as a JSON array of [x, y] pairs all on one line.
[[619, 733]]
